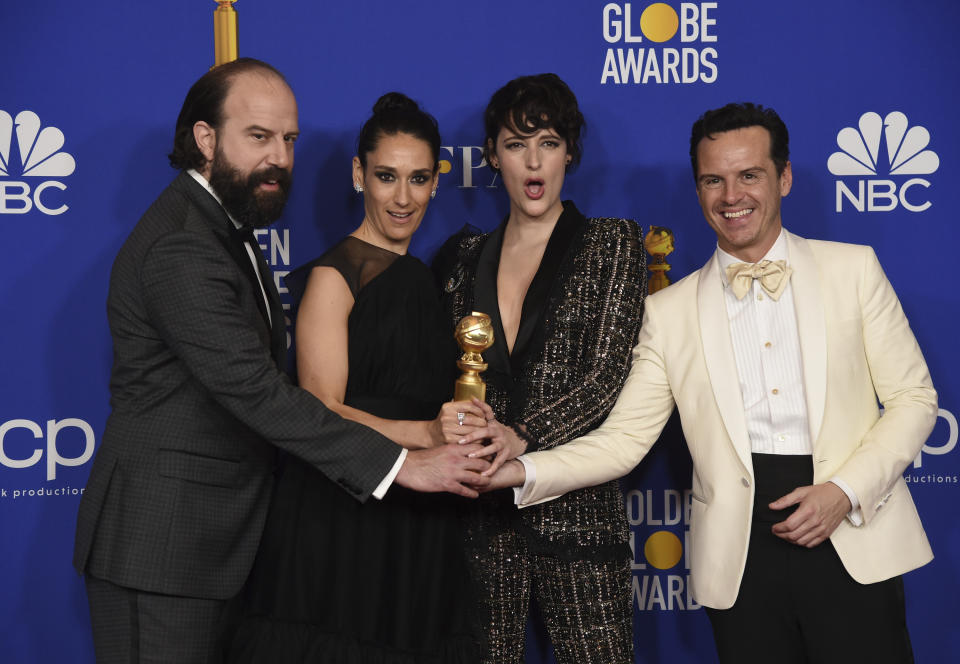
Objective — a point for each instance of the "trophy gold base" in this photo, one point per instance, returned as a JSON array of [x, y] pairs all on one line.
[[465, 389]]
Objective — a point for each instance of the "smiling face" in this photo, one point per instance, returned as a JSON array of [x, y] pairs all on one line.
[[397, 182], [533, 167], [740, 191]]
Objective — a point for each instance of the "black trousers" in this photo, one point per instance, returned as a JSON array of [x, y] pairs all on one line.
[[798, 605], [136, 627]]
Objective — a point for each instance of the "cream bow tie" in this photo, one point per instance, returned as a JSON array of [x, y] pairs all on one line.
[[773, 276]]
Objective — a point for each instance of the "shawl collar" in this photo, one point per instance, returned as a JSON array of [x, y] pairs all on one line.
[[811, 327], [718, 356], [569, 226], [485, 300]]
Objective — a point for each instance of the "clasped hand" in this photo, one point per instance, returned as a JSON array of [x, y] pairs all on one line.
[[465, 447], [468, 422]]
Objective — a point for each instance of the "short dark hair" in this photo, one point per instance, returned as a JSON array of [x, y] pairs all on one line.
[[204, 103], [530, 103], [395, 113], [739, 116]]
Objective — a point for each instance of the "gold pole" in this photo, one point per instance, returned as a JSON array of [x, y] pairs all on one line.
[[224, 32]]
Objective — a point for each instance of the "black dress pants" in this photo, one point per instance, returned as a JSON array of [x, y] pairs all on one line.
[[136, 627], [798, 605]]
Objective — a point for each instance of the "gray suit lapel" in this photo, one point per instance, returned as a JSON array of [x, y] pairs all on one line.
[[223, 228]]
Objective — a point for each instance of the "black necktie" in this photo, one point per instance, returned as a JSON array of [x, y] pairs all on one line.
[[245, 237], [244, 234]]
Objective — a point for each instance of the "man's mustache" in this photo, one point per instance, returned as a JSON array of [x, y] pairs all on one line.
[[271, 174]]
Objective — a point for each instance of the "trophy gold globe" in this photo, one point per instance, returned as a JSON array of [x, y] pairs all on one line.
[[659, 243], [474, 334]]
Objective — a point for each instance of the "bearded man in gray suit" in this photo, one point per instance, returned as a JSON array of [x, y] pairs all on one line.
[[172, 515]]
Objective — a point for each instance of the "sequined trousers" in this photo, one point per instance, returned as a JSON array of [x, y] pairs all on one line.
[[585, 604]]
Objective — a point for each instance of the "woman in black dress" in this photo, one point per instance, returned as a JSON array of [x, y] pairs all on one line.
[[384, 582], [565, 294]]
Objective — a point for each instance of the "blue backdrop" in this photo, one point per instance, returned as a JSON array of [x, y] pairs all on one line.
[[89, 95]]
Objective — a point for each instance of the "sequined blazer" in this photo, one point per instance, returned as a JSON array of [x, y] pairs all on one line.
[[579, 321]]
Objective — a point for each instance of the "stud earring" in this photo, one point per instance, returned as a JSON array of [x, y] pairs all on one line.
[[357, 188], [433, 194]]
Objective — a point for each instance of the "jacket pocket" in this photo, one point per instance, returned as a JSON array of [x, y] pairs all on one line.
[[212, 471]]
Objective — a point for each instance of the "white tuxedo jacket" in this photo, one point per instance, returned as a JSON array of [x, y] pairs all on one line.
[[856, 346]]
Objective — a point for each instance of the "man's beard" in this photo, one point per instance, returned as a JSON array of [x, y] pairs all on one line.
[[239, 195]]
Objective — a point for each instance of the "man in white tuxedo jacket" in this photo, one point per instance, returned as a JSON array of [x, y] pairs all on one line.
[[775, 353]]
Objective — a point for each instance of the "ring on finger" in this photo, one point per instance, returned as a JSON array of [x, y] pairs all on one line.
[[460, 417]]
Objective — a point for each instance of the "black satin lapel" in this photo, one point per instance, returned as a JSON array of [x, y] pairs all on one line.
[[238, 250], [278, 329], [570, 224], [485, 300]]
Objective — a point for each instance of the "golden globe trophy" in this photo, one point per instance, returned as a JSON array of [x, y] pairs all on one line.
[[225, 46], [659, 243], [474, 334]]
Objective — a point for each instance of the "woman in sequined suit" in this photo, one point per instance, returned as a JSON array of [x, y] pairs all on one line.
[[565, 294]]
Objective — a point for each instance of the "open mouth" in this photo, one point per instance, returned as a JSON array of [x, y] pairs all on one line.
[[400, 217], [736, 215], [533, 188], [270, 179]]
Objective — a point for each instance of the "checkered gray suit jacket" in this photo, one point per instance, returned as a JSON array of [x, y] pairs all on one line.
[[180, 485]]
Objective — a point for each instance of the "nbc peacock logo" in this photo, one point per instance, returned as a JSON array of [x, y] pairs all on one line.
[[883, 147], [39, 156]]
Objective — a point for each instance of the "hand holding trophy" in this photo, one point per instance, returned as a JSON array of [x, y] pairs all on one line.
[[474, 334]]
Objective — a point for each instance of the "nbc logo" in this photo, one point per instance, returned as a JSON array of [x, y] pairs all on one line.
[[862, 154], [40, 156]]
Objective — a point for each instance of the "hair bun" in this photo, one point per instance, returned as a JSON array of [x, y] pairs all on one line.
[[395, 113], [394, 102]]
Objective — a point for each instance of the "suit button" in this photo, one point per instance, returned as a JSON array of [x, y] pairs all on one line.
[[744, 481]]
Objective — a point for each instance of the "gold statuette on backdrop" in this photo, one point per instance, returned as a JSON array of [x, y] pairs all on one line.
[[224, 32], [659, 243], [474, 334]]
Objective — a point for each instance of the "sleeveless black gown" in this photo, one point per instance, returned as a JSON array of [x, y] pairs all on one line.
[[384, 582]]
